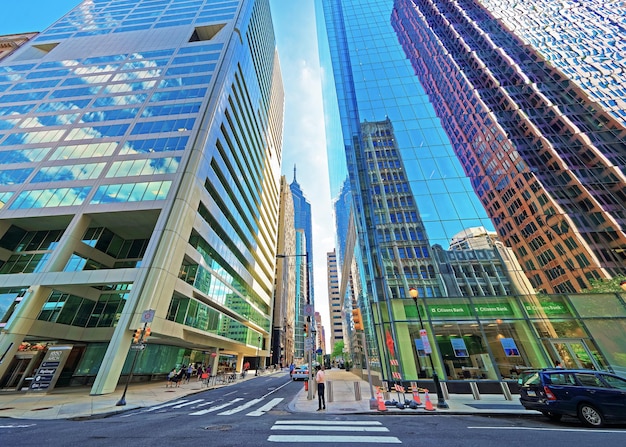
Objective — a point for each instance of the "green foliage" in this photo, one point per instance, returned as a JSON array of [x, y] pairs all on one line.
[[606, 285], [337, 350]]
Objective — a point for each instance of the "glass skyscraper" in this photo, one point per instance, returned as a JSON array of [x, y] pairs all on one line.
[[443, 120], [140, 152]]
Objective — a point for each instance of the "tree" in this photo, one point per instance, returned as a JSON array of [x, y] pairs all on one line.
[[338, 350]]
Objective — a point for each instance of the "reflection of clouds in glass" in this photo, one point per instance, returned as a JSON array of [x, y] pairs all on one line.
[[132, 192], [155, 166], [58, 106], [48, 136], [50, 120], [76, 172], [23, 155], [103, 149], [44, 198]]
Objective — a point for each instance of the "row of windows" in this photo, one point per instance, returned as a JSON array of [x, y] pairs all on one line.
[[131, 192]]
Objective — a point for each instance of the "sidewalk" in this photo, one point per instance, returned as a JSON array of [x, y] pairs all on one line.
[[76, 403]]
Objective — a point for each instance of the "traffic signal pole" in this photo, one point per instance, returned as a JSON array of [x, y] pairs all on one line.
[[136, 341]]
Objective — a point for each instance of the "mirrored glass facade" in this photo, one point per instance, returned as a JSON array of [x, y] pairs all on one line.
[[140, 149], [476, 151]]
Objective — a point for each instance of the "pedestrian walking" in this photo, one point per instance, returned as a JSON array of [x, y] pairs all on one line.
[[188, 373], [171, 378], [320, 378]]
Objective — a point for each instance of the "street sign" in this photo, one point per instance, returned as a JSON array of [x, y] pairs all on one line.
[[309, 310], [319, 351], [147, 316], [308, 344], [137, 347]]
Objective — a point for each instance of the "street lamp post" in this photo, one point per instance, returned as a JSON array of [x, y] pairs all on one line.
[[441, 402], [256, 373]]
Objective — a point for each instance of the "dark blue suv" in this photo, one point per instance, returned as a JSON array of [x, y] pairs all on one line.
[[594, 397]]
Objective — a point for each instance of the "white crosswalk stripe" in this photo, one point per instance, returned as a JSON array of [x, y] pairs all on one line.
[[240, 407], [265, 408], [216, 408], [336, 427], [199, 404]]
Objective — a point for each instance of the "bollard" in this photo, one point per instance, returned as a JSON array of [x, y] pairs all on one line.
[[475, 391], [444, 389], [357, 390], [506, 391], [329, 391]]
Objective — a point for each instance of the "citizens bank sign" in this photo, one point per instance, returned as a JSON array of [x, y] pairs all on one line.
[[495, 310]]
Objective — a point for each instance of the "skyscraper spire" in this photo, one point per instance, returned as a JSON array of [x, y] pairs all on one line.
[[294, 173]]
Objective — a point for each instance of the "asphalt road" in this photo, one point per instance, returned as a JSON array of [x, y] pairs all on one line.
[[246, 415]]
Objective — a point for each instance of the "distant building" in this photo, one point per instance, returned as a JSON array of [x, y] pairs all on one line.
[[334, 300]]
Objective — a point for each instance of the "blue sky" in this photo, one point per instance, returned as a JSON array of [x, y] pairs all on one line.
[[304, 140]]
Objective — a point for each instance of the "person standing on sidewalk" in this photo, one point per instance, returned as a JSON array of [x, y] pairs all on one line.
[[320, 378]]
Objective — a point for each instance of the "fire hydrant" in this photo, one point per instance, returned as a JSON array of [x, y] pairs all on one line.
[[306, 385]]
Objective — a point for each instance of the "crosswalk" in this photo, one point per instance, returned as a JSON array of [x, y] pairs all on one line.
[[335, 432], [199, 407]]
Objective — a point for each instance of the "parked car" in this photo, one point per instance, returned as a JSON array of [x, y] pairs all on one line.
[[301, 373], [594, 397]]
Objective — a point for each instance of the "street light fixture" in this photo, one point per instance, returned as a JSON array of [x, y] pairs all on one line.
[[441, 403]]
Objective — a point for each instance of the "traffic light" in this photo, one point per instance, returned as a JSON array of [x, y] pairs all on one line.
[[358, 319], [306, 328], [146, 333], [137, 335]]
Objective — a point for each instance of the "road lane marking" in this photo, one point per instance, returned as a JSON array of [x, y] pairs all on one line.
[[590, 430], [334, 439], [265, 408]]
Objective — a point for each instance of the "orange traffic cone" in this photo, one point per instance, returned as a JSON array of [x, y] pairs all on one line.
[[428, 405], [381, 402], [416, 396]]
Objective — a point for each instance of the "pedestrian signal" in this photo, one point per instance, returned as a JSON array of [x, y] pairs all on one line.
[[358, 319], [146, 333]]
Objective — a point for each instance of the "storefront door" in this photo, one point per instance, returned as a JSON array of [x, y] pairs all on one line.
[[574, 353]]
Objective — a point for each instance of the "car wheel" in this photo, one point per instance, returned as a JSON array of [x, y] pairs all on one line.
[[590, 416], [552, 416]]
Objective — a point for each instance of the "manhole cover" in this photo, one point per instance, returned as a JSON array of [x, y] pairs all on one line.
[[218, 427]]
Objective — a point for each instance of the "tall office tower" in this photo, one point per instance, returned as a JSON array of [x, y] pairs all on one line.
[[140, 147], [303, 323], [11, 42], [334, 300], [370, 83], [303, 221], [285, 287], [531, 94]]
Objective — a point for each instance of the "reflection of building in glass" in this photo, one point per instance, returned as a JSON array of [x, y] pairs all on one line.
[[477, 264], [537, 122], [9, 43], [139, 169], [368, 80]]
